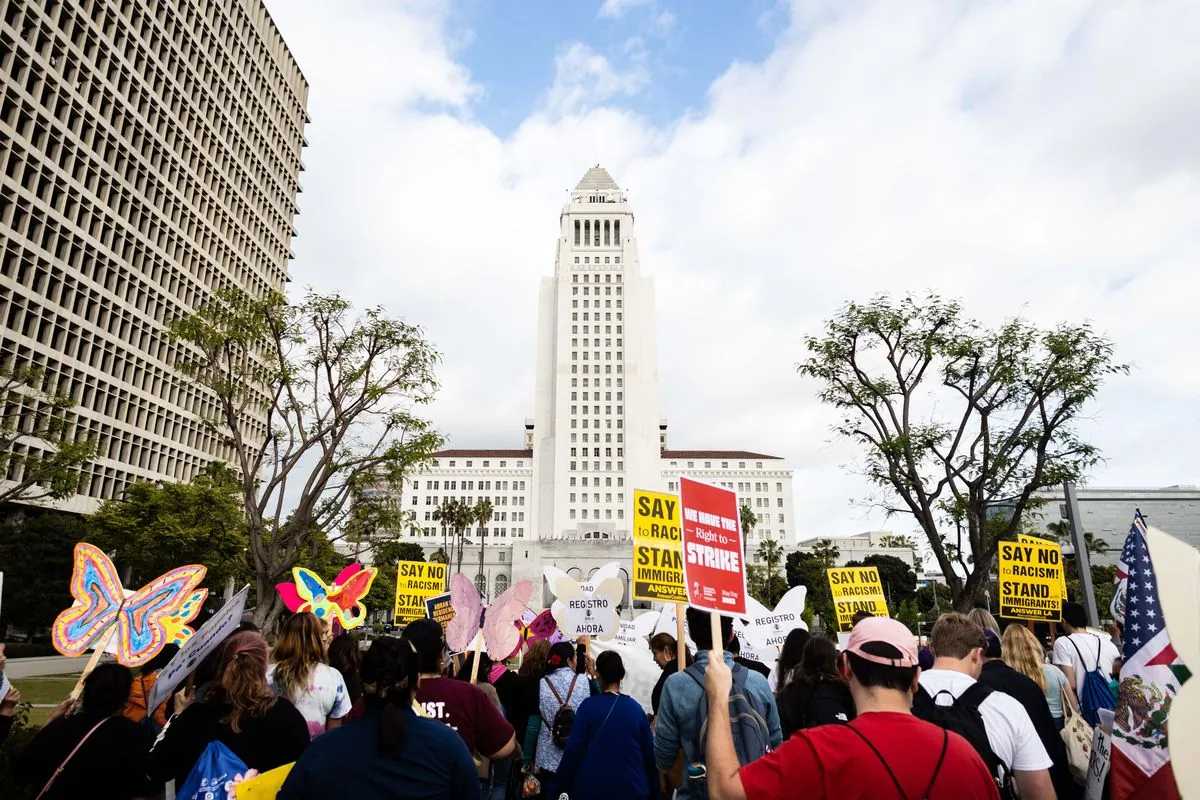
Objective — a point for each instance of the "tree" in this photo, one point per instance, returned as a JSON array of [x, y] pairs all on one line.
[[337, 393], [909, 615], [958, 422], [36, 557], [455, 516], [155, 527], [826, 552], [933, 600], [765, 580], [42, 447], [897, 577], [806, 569], [748, 520], [385, 557], [892, 540], [439, 556], [482, 514]]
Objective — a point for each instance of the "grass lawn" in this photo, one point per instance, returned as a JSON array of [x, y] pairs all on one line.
[[48, 689]]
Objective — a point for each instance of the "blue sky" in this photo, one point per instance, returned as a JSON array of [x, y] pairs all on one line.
[[510, 46]]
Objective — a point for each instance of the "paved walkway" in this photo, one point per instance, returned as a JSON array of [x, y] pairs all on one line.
[[18, 668]]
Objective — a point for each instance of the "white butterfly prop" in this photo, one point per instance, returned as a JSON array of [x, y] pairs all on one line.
[[636, 633], [667, 624], [587, 609], [769, 629]]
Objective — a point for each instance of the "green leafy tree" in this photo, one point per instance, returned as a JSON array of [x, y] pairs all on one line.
[[386, 555], [897, 577], [826, 552], [338, 391], [909, 615], [439, 556], [807, 569], [155, 527], [481, 516], [36, 557], [766, 579], [892, 540], [41, 445], [955, 420], [933, 600]]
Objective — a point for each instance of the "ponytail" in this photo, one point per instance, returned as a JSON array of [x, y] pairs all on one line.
[[243, 677], [389, 674]]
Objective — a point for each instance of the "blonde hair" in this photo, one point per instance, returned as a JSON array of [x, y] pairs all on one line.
[[984, 619], [1023, 652], [300, 649]]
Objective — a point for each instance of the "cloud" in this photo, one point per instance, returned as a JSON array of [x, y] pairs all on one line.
[[615, 9], [1029, 158], [584, 79]]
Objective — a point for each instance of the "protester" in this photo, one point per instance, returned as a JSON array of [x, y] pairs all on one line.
[[1003, 678], [239, 710], [135, 709], [493, 775], [984, 619], [457, 704], [560, 690], [885, 748], [663, 649], [859, 616], [528, 722], [611, 751], [300, 673], [818, 695], [104, 739], [1081, 652], [1023, 652], [790, 656], [391, 752], [735, 650], [346, 657], [684, 712], [1116, 634], [951, 696]]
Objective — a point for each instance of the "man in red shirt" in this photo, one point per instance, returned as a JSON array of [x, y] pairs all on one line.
[[885, 753]]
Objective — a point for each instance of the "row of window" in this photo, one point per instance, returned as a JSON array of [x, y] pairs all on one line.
[[586, 301], [608, 513], [591, 278], [594, 316], [587, 370], [500, 532], [724, 465], [608, 481], [583, 466], [607, 382], [596, 396], [498, 500], [596, 235], [497, 516], [608, 497], [469, 485], [486, 464]]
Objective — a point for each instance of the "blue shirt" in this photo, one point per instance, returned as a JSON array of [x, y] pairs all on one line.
[[548, 754], [675, 725], [434, 764], [610, 753]]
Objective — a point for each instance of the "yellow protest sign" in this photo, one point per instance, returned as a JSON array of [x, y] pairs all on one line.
[[856, 589], [1030, 580], [415, 582], [657, 548], [1026, 539]]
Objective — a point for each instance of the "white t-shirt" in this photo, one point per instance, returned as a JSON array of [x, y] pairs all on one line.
[[325, 698], [1010, 731], [1065, 654]]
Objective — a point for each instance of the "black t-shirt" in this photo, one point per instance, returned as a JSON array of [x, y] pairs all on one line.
[[757, 666], [1003, 678], [807, 705], [670, 669], [265, 742], [91, 773]]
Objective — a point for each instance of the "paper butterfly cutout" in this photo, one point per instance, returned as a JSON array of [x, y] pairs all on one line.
[[605, 586], [341, 601], [766, 630], [500, 637], [533, 627], [146, 620]]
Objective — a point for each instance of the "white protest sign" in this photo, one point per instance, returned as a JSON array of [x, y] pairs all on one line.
[[587, 609], [1097, 776], [770, 629], [628, 635], [207, 638], [5, 686]]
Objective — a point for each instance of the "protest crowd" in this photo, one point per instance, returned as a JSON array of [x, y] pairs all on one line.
[[975, 715]]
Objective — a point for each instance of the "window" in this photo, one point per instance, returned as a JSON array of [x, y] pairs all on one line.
[[781, 519], [779, 487], [779, 502]]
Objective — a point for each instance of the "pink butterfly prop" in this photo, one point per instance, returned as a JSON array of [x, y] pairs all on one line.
[[501, 638], [533, 627], [339, 603]]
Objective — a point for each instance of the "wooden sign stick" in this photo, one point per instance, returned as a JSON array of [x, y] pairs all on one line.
[[680, 644], [718, 644], [476, 658], [97, 653]]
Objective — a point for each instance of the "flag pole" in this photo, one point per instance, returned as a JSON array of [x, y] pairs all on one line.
[[1082, 559]]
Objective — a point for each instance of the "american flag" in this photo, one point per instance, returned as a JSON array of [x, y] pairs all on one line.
[[1150, 678]]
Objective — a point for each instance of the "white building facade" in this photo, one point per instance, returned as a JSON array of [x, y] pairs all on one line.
[[565, 498]]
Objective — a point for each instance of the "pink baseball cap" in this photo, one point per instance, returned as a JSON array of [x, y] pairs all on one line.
[[888, 631]]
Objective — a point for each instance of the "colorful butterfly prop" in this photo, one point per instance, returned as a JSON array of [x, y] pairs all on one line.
[[340, 602], [500, 637], [146, 620], [598, 617], [534, 626]]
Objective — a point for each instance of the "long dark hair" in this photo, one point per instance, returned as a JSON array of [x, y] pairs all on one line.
[[560, 654], [819, 662], [389, 674], [485, 668], [346, 658], [790, 656]]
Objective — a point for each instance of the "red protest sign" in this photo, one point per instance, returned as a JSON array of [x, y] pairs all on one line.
[[712, 548]]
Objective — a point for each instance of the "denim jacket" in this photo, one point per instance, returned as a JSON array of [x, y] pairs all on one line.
[[675, 725]]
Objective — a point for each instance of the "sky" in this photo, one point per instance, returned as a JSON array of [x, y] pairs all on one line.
[[1028, 158]]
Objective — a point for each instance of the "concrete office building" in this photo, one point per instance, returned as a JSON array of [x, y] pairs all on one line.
[[149, 156], [1107, 512], [565, 497]]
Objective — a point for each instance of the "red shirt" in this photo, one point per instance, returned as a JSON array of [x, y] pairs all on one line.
[[467, 710], [831, 761]]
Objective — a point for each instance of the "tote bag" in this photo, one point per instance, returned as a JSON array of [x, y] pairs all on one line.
[[216, 767], [1077, 735]]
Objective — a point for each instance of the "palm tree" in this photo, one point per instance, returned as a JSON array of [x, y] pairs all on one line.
[[482, 511], [748, 519], [446, 514]]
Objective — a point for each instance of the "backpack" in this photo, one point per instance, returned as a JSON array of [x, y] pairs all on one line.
[[1095, 693], [564, 718], [963, 718], [216, 767], [751, 737]]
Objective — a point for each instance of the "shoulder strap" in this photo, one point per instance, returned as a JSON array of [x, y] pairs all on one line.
[[70, 755], [974, 696], [570, 689], [1078, 652], [938, 767], [554, 691], [1099, 646], [882, 760]]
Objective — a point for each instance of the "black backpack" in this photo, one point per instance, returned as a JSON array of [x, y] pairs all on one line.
[[564, 718], [963, 717]]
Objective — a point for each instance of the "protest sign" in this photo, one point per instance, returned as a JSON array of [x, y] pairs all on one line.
[[1101, 758], [856, 589], [5, 686], [416, 582], [1030, 575], [207, 638], [440, 610], [770, 628], [1026, 539], [713, 570], [657, 548], [587, 609]]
